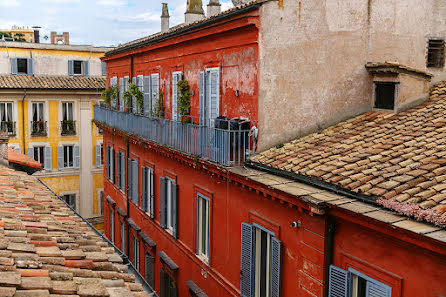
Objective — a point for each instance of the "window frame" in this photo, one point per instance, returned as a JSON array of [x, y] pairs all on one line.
[[42, 149], [203, 252], [435, 53], [81, 62], [147, 190], [135, 251], [66, 153], [70, 196], [169, 205]]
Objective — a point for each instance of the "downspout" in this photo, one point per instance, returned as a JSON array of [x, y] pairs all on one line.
[[128, 199], [329, 251], [23, 121]]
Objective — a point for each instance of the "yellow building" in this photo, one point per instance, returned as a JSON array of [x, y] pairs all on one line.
[[20, 32], [47, 93]]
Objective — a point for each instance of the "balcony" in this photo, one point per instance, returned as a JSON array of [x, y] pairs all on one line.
[[223, 146], [68, 127], [39, 128], [9, 127]]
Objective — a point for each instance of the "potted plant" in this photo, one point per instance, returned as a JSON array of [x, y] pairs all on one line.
[[109, 94], [159, 106], [183, 103]]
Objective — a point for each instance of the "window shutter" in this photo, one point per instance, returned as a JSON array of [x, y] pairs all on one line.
[[275, 267], [174, 193], [47, 158], [60, 157], [151, 193], [246, 256], [77, 156], [174, 96], [86, 68], [144, 188], [121, 93], [113, 165], [98, 155], [147, 87], [338, 282], [149, 261], [122, 172], [104, 68], [133, 97], [118, 170], [377, 290], [202, 97], [155, 90], [14, 66], [162, 283], [198, 226], [107, 162], [135, 181], [70, 67], [30, 65], [214, 94], [163, 204], [129, 178], [31, 152]]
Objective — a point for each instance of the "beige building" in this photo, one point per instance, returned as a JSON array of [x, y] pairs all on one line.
[[47, 92]]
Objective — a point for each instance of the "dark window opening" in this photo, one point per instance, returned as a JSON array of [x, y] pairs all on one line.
[[168, 287], [435, 53], [385, 95], [68, 156], [22, 66], [77, 67], [70, 199], [39, 155]]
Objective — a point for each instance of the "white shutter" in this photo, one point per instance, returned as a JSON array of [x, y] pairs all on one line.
[[98, 155], [121, 93], [140, 85], [202, 98], [60, 157], [147, 87], [31, 152], [155, 90], [214, 94], [77, 156], [48, 159]]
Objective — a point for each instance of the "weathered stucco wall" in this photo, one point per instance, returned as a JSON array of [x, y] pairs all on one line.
[[312, 57]]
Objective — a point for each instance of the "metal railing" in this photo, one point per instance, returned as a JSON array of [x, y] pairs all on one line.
[[68, 127], [39, 128], [9, 127], [223, 146]]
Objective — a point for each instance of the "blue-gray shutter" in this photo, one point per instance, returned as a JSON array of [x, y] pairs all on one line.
[[14, 66], [77, 156], [107, 162], [129, 178], [377, 290], [174, 193], [135, 181], [86, 68], [104, 68], [60, 157], [147, 91], [214, 79], [155, 90], [121, 93], [98, 155], [163, 204], [47, 162], [123, 237], [122, 172], [202, 98], [31, 152], [144, 188], [275, 267], [118, 170], [30, 65], [246, 261], [140, 85], [338, 282], [151, 193], [70, 67], [134, 109]]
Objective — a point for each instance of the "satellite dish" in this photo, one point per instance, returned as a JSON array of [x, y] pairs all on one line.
[[45, 37]]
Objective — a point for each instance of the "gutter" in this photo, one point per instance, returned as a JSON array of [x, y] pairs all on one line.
[[184, 30], [132, 270], [313, 182], [23, 121]]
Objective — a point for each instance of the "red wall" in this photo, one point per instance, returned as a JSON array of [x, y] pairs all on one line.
[[232, 46]]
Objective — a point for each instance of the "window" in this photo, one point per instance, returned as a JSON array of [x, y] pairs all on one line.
[[68, 156], [22, 66], [104, 68], [112, 225], [67, 111], [68, 125], [38, 123], [132, 180], [149, 268], [176, 77], [150, 90], [78, 67], [101, 202], [135, 256], [6, 122], [99, 155], [260, 264], [168, 204], [167, 285], [209, 93], [120, 171], [123, 87], [435, 53], [41, 154], [385, 95], [123, 236], [355, 284], [147, 196], [203, 227], [70, 199]]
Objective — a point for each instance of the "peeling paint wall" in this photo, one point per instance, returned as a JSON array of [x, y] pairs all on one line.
[[312, 56]]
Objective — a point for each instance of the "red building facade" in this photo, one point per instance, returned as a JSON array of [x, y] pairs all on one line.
[[199, 228]]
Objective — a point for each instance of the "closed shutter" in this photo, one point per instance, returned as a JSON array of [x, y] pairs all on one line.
[[151, 193], [121, 93], [98, 155], [377, 290], [163, 204], [149, 268], [140, 85], [31, 152], [135, 181], [275, 267], [104, 68], [86, 68], [174, 193], [118, 170], [14, 66], [338, 282], [30, 65], [70, 67], [47, 162], [107, 162], [155, 90], [147, 87], [77, 156], [133, 97], [175, 79], [202, 97], [113, 160], [144, 188], [214, 80], [129, 178], [60, 157], [246, 257], [122, 172]]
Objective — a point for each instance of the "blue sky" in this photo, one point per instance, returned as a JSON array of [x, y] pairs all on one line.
[[97, 22]]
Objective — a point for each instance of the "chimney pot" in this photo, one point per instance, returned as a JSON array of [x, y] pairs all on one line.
[[214, 8], [194, 11], [165, 18]]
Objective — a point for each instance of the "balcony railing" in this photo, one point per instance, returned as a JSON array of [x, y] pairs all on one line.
[[9, 127], [39, 128], [68, 127], [223, 146]]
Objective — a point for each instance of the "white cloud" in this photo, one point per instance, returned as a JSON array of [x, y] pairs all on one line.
[[9, 3], [61, 1], [112, 2]]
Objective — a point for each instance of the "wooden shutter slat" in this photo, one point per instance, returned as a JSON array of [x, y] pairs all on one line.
[[338, 282], [47, 161], [174, 190], [163, 204], [275, 267], [60, 157], [246, 255]]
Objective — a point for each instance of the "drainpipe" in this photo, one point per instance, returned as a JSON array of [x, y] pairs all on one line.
[[23, 120], [128, 199], [131, 67], [329, 251]]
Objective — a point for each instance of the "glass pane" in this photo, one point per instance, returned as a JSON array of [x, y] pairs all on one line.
[[64, 111], [9, 115], [70, 111], [35, 112], [40, 111], [77, 67]]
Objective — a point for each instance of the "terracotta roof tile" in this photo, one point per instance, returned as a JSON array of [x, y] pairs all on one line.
[[46, 249], [396, 157], [51, 82], [21, 159]]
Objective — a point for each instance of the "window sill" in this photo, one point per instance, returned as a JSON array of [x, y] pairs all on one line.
[[203, 259]]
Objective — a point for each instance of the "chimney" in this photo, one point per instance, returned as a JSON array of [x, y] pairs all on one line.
[[214, 8], [165, 19], [64, 37], [36, 34], [4, 148], [194, 11]]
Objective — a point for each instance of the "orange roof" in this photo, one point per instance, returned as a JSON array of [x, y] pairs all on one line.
[[21, 159]]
